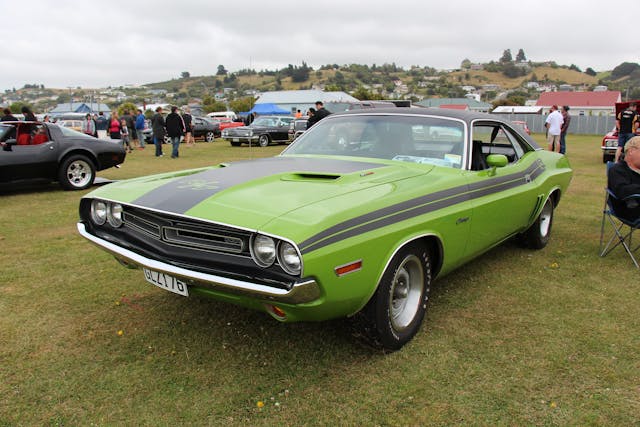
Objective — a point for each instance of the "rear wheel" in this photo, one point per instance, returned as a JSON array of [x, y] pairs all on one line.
[[263, 141], [209, 136], [76, 173], [395, 312], [537, 236]]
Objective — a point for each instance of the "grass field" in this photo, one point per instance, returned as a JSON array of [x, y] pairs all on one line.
[[517, 337]]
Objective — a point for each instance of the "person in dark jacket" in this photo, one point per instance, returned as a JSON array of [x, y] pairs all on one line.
[[157, 126], [28, 114], [624, 181], [175, 130], [319, 114], [8, 117]]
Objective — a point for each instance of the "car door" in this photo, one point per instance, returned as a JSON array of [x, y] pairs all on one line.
[[281, 130], [18, 162], [504, 199]]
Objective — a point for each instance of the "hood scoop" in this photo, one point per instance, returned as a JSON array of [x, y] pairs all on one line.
[[310, 176]]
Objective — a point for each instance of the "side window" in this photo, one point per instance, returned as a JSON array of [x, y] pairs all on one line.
[[493, 138]]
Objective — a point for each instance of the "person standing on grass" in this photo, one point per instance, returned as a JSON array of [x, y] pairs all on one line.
[[627, 124], [101, 125], [140, 123], [175, 130], [188, 128], [566, 117], [157, 126], [88, 126], [554, 128], [124, 132], [131, 125], [114, 126]]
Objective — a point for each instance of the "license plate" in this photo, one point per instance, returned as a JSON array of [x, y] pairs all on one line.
[[166, 282], [235, 139]]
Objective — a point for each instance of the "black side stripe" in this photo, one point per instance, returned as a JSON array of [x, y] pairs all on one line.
[[419, 206]]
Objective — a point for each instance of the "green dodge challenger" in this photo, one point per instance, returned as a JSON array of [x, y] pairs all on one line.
[[355, 218]]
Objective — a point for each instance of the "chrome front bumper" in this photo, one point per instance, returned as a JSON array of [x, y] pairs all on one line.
[[302, 292]]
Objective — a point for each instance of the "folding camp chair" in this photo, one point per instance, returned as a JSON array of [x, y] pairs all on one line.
[[621, 229]]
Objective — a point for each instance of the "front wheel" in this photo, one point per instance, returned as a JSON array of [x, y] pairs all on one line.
[[263, 141], [395, 312], [76, 173], [209, 136], [537, 236]]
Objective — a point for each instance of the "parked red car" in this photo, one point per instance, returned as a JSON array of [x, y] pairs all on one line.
[[609, 143], [225, 124]]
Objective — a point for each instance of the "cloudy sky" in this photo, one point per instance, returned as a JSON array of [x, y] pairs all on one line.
[[97, 44]]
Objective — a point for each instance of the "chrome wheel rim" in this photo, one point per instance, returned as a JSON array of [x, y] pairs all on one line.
[[406, 292], [545, 218], [79, 173], [263, 141]]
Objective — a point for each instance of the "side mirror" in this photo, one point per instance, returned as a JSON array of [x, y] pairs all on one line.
[[6, 145], [497, 160]]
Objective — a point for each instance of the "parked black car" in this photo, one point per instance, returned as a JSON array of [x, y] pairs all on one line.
[[203, 127], [263, 131], [45, 151]]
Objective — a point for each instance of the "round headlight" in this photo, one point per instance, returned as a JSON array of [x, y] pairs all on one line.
[[263, 250], [288, 258], [98, 212], [114, 214]]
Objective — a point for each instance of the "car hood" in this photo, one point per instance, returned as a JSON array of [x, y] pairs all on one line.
[[252, 194]]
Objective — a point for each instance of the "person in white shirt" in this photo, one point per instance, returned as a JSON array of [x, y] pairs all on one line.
[[554, 128]]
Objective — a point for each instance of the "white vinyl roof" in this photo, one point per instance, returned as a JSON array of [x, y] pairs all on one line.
[[517, 109]]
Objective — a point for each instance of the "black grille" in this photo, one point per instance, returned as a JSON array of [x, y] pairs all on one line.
[[184, 233]]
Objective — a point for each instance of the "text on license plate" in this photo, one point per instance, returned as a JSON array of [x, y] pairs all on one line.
[[236, 139], [166, 282]]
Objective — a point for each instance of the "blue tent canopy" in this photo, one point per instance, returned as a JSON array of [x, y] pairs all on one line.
[[268, 108]]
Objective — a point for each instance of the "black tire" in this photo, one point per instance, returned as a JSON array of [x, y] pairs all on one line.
[[537, 236], [209, 136], [395, 312], [166, 139], [263, 141], [76, 172]]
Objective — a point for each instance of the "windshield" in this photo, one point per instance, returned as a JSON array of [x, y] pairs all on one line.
[[415, 139], [265, 121]]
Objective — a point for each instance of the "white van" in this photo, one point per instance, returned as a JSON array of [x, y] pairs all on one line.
[[223, 115]]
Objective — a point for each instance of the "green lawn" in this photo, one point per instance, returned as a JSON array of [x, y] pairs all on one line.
[[517, 337]]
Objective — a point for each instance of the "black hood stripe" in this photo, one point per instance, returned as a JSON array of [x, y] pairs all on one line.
[[182, 194], [419, 206]]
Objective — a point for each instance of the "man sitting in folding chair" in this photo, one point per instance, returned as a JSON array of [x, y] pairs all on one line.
[[622, 204]]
